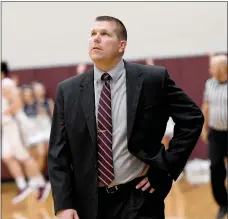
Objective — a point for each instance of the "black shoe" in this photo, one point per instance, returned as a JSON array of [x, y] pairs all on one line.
[[222, 212]]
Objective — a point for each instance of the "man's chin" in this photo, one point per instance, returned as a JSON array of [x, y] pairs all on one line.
[[96, 58]]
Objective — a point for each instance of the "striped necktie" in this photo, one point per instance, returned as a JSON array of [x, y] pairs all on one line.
[[105, 159]]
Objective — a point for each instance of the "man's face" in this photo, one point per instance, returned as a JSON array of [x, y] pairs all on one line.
[[215, 69], [104, 44], [39, 91]]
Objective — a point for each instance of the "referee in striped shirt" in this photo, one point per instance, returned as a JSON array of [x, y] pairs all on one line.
[[215, 129]]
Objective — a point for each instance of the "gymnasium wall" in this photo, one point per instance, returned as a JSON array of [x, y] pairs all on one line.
[[42, 34]]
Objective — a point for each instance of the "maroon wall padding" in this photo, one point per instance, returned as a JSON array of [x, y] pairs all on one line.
[[189, 73], [173, 67], [25, 76], [194, 73], [52, 76]]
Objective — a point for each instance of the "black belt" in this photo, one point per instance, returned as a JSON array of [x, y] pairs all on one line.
[[122, 187]]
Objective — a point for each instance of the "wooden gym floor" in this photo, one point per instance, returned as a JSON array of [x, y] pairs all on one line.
[[184, 201]]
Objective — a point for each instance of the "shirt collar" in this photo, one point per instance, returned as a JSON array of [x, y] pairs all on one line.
[[115, 72]]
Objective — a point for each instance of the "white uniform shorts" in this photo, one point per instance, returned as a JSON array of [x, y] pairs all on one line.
[[40, 131], [13, 144], [34, 133], [45, 126]]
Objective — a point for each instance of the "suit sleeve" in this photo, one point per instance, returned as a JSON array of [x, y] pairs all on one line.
[[59, 166], [188, 120]]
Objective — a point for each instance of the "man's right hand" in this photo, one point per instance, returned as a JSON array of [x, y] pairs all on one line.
[[67, 214]]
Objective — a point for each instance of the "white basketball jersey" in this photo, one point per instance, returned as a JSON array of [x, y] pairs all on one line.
[[5, 118]]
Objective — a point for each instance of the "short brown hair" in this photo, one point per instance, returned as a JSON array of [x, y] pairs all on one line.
[[122, 33]]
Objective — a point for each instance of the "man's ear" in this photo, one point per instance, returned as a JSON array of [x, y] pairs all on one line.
[[123, 45]]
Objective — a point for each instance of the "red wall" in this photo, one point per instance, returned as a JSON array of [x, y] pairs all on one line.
[[189, 73]]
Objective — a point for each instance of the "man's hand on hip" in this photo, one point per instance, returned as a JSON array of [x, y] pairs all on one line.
[[145, 184], [67, 214]]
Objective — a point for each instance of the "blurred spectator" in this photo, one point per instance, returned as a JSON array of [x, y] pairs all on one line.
[[40, 94], [81, 68], [149, 61], [45, 106]]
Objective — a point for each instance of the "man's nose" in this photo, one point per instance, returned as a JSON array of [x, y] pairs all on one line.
[[97, 38]]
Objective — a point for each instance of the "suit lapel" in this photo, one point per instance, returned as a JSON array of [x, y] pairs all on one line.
[[134, 83], [88, 104], [134, 86]]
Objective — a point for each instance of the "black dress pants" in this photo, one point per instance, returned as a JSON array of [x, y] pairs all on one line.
[[217, 152], [132, 203]]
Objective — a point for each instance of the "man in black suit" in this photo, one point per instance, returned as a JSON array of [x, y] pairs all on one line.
[[106, 160]]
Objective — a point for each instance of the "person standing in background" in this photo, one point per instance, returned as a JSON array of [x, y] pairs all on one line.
[[215, 129]]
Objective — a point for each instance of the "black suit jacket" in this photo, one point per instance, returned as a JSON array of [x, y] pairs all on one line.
[[151, 98]]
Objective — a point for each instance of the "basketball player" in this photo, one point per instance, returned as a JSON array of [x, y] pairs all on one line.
[[14, 152]]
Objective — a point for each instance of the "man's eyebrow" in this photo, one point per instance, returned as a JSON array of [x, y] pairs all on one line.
[[101, 30]]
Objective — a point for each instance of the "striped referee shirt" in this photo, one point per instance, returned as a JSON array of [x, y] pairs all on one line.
[[215, 94]]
